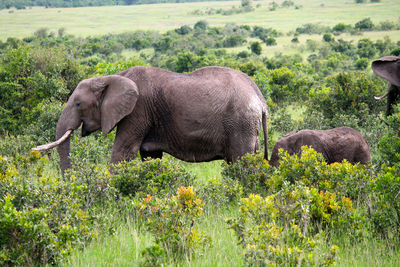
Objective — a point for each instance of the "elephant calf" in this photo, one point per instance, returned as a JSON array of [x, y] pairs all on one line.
[[335, 145]]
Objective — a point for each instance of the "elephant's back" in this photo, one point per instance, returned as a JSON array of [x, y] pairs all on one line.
[[346, 143]]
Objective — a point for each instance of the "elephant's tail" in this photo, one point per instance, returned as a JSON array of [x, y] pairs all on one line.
[[265, 128]]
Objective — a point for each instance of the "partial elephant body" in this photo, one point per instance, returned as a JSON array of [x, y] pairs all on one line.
[[335, 145], [212, 113], [389, 68]]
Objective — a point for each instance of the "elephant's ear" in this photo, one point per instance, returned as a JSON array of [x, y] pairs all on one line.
[[388, 68], [117, 99]]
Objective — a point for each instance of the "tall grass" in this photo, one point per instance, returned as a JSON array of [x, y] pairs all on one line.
[[120, 249], [124, 247], [367, 252]]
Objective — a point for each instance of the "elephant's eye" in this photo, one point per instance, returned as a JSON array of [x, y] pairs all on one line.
[[78, 104]]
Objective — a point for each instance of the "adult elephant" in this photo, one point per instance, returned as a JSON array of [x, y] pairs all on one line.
[[389, 68], [212, 113], [334, 144]]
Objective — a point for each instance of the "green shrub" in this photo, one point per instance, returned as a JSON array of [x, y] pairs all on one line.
[[312, 28], [350, 93], [158, 177], [366, 48], [327, 37], [285, 85], [386, 208], [275, 230], [341, 27], [389, 144], [234, 40], [95, 149], [200, 25], [113, 68], [395, 52], [95, 183], [281, 121], [365, 25], [183, 30], [362, 63], [186, 62], [310, 168], [270, 41], [256, 48], [42, 218], [13, 147], [221, 192], [43, 118], [172, 223], [252, 170], [305, 200], [28, 76]]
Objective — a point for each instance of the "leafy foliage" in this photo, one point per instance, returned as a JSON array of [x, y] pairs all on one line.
[[305, 199], [251, 171], [42, 218], [221, 192], [389, 144], [172, 223], [157, 177], [275, 230], [29, 75], [349, 93]]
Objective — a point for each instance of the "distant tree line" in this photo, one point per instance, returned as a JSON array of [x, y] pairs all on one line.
[[23, 4]]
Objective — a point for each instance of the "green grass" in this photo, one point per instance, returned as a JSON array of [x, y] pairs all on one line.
[[367, 252], [125, 246], [87, 21]]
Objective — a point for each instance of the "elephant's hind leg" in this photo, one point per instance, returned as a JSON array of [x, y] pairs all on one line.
[[239, 145]]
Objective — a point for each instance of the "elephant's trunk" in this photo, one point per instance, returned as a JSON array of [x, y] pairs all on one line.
[[68, 121], [64, 150]]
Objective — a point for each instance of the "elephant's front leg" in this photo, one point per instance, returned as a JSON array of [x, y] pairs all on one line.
[[125, 147]]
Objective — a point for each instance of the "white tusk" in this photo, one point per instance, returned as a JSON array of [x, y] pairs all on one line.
[[55, 143], [380, 97]]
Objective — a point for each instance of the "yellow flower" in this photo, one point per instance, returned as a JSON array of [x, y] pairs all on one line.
[[35, 154]]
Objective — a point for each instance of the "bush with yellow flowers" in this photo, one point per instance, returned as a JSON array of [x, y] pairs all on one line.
[[277, 230], [172, 222], [303, 201]]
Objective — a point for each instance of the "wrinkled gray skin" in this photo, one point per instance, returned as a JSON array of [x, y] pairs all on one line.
[[335, 145], [389, 68], [212, 113]]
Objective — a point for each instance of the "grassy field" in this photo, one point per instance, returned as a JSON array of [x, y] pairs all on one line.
[[100, 20]]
